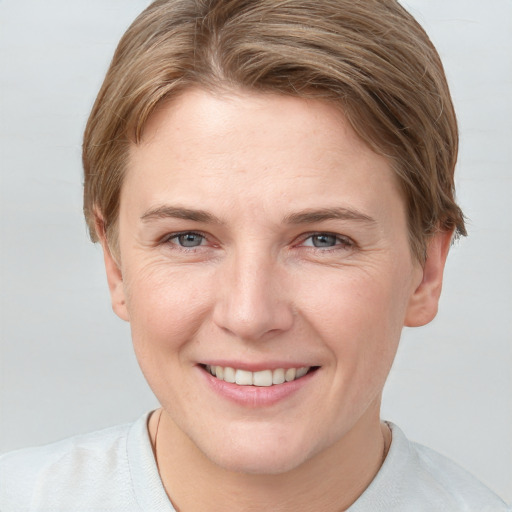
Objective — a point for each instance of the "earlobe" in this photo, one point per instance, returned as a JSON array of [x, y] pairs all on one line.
[[423, 303], [114, 272]]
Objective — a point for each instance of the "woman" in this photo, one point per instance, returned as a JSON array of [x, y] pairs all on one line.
[[272, 186]]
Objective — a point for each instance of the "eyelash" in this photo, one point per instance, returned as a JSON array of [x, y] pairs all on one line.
[[341, 242], [168, 239]]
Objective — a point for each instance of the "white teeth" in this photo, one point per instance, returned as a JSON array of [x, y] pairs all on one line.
[[301, 372], [229, 374], [290, 374], [278, 376], [243, 378], [263, 378]]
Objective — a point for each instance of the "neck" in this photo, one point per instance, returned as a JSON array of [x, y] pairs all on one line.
[[330, 481]]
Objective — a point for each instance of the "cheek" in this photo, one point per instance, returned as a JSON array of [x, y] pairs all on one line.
[[166, 306], [359, 316]]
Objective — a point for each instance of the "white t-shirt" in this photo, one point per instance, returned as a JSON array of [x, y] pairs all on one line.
[[114, 470]]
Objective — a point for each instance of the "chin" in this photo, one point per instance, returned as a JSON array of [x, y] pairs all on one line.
[[258, 454], [258, 463]]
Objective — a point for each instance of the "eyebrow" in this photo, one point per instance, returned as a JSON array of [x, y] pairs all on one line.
[[301, 217], [163, 212], [311, 216]]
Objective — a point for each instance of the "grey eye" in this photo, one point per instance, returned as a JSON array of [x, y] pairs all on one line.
[[323, 240], [189, 239]]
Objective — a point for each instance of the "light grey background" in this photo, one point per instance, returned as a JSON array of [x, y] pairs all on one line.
[[66, 361]]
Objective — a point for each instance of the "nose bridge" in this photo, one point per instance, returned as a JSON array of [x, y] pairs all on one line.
[[252, 300]]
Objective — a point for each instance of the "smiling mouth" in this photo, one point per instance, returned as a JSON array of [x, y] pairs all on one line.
[[263, 378]]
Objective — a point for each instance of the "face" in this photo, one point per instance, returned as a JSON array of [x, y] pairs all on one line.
[[259, 240]]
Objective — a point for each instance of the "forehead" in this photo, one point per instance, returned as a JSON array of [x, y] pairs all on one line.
[[251, 149]]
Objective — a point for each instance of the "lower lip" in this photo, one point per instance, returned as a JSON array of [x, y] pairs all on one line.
[[256, 396]]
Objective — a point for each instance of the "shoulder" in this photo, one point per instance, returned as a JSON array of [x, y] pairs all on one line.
[[48, 476], [458, 485], [414, 477]]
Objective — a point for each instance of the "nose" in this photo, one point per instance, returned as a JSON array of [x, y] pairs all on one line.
[[252, 301]]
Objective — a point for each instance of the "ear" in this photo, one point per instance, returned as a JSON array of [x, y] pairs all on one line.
[[114, 272], [423, 304]]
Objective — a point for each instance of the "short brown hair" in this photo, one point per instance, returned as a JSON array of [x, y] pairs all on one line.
[[370, 58]]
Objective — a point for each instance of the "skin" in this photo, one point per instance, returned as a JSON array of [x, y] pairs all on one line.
[[256, 290]]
